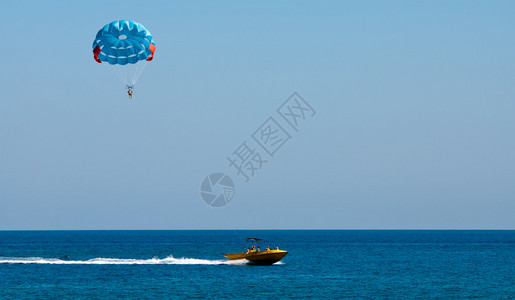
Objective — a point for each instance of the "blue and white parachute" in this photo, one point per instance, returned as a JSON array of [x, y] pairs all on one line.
[[124, 43]]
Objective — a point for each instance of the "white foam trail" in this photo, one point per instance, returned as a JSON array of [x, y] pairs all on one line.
[[170, 260]]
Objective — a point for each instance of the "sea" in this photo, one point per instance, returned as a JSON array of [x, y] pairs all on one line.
[[321, 264]]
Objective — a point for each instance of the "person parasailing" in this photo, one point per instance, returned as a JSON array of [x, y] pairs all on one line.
[[129, 91], [127, 45]]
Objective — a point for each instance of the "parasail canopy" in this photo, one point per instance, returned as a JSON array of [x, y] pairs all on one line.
[[123, 42]]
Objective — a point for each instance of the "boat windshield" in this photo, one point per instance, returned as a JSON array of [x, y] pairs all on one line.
[[254, 239]]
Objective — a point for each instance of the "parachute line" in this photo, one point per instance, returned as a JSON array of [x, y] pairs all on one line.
[[140, 66], [128, 74]]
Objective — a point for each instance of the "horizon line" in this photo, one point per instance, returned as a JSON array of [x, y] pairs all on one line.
[[269, 229]]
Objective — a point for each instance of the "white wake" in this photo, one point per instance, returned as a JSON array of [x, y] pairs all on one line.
[[170, 260]]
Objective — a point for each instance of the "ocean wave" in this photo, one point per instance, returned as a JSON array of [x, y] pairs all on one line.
[[170, 260]]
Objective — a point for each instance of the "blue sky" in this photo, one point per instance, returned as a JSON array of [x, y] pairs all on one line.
[[414, 124]]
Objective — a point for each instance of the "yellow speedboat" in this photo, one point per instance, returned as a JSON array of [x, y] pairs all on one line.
[[257, 256]]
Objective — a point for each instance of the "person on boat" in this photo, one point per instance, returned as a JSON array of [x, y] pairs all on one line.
[[276, 248], [267, 248], [253, 247], [248, 250], [258, 249]]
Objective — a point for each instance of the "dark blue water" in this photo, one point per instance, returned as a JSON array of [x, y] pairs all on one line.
[[320, 264]]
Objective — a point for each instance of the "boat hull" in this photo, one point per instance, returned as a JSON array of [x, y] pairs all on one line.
[[267, 257]]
